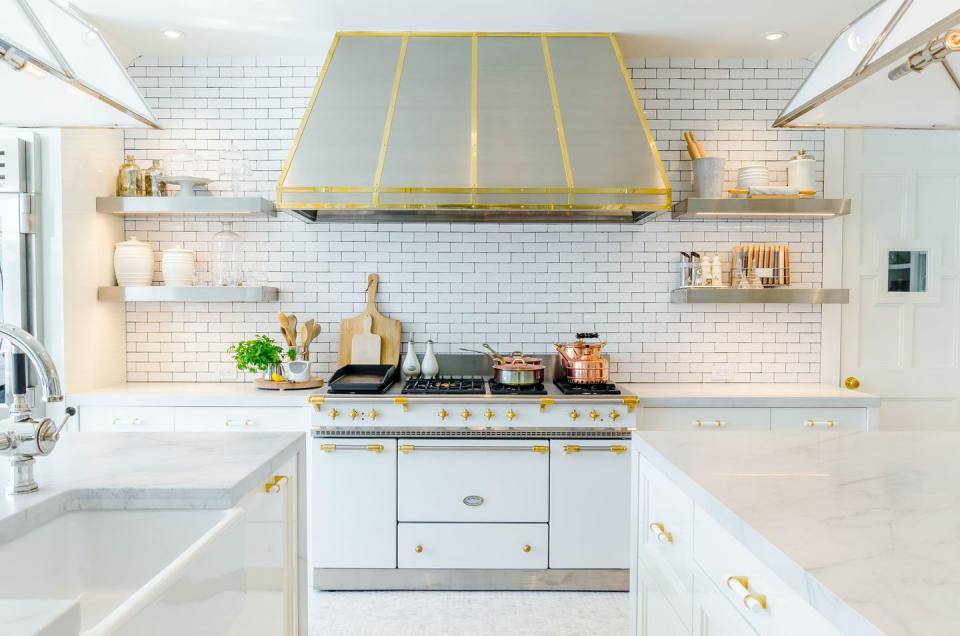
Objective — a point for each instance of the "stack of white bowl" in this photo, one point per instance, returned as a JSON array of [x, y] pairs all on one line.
[[178, 266], [753, 175], [133, 263]]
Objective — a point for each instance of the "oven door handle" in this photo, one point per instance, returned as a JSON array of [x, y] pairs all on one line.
[[536, 448]]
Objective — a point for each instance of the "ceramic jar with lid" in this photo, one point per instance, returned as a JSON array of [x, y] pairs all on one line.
[[802, 172], [178, 266], [133, 263]]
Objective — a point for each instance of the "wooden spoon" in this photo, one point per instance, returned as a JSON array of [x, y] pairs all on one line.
[[285, 328], [292, 329]]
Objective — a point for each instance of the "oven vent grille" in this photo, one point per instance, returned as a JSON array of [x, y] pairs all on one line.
[[554, 433]]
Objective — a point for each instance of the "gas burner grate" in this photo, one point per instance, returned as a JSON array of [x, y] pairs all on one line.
[[450, 385], [507, 389], [570, 388]]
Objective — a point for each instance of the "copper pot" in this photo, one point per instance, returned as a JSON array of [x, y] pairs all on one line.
[[581, 361], [518, 371]]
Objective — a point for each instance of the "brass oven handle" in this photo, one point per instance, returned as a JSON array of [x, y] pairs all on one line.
[[373, 448], [617, 449], [537, 448]]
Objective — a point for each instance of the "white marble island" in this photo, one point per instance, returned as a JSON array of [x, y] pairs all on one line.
[[147, 532], [797, 533]]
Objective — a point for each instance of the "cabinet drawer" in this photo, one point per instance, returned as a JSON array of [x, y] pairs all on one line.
[[127, 419], [818, 419], [244, 419], [658, 419], [666, 537], [655, 615], [473, 480], [589, 503], [472, 545], [714, 615], [353, 492], [771, 607]]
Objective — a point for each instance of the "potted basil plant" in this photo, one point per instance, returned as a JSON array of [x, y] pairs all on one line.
[[260, 355]]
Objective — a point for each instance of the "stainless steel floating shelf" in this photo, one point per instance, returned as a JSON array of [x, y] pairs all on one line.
[[177, 206], [790, 295], [733, 208], [160, 293]]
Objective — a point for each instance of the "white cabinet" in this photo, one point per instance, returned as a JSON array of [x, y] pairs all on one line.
[[248, 419], [818, 419], [127, 419], [498, 546], [353, 489], [489, 480], [714, 616], [589, 504], [655, 616], [705, 419]]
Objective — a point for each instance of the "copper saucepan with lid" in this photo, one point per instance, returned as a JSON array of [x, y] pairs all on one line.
[[581, 361], [515, 369]]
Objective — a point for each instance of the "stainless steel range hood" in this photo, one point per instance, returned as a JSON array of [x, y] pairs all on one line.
[[504, 127]]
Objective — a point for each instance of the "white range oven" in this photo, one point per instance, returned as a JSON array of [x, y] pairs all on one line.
[[471, 491]]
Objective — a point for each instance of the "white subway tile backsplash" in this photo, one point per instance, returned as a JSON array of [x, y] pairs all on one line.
[[516, 286]]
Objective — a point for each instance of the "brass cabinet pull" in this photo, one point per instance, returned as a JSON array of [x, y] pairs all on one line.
[[316, 401], [617, 449], [820, 424], [373, 448], [661, 533], [328, 448], [407, 448], [851, 383], [709, 423], [418, 549], [540, 449], [274, 484], [741, 586], [526, 547], [572, 448], [230, 423], [631, 403]]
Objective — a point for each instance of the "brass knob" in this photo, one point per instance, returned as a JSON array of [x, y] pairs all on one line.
[[594, 415], [353, 414], [574, 415], [526, 547], [373, 414], [442, 414], [488, 414], [511, 415], [334, 413], [851, 383], [418, 549], [614, 416], [465, 414]]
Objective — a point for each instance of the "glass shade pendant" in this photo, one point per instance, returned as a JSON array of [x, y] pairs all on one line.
[[894, 67], [226, 257]]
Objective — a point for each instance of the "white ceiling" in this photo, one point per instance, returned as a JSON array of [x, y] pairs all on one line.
[[688, 28]]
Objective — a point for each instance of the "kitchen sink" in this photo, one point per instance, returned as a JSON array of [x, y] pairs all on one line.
[[128, 572]]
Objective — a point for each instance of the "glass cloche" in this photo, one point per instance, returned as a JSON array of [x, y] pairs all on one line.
[[226, 257]]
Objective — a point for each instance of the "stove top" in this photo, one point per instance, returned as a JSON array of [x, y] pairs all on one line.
[[445, 385], [506, 389], [569, 388]]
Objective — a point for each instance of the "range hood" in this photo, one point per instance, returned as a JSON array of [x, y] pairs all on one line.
[[896, 66], [503, 127], [56, 70]]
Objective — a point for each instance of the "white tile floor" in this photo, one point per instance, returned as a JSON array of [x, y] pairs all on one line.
[[469, 613]]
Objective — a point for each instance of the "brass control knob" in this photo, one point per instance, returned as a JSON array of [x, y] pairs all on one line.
[[488, 414], [574, 415], [442, 414], [353, 414], [594, 415], [614, 415], [418, 549], [511, 415], [334, 413], [526, 547], [373, 414], [851, 383], [465, 414]]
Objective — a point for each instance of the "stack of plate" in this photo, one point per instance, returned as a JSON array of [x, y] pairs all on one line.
[[753, 175]]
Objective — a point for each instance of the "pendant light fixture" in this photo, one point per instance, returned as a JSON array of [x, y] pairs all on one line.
[[56, 70], [894, 67]]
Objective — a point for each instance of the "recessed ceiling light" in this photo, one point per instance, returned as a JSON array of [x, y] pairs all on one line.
[[773, 36], [173, 34]]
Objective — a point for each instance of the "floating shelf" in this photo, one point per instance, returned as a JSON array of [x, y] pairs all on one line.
[[793, 296], [770, 209], [178, 206], [160, 293]]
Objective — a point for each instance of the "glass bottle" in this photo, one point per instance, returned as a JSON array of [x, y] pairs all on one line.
[[129, 179], [226, 257], [152, 185]]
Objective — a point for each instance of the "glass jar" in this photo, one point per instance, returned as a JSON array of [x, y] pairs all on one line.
[[129, 179], [152, 185], [226, 257]]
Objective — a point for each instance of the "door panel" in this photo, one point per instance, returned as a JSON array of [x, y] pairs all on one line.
[[904, 345]]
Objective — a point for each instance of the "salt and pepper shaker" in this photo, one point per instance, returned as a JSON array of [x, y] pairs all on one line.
[[411, 363], [430, 367]]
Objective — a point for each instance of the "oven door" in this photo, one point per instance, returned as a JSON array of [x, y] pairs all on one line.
[[473, 480]]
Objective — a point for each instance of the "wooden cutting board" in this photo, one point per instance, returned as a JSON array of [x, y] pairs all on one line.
[[365, 347], [387, 328]]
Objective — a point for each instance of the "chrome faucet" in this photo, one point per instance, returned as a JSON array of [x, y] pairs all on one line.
[[21, 436]]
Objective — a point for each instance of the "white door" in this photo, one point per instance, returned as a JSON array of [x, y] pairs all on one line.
[[901, 245]]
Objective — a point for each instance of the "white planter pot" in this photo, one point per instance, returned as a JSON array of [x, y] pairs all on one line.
[[133, 263], [296, 371]]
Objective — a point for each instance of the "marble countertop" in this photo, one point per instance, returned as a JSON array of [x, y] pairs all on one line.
[[865, 526], [146, 471], [651, 395]]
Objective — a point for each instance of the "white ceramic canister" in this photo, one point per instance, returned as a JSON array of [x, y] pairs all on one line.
[[133, 263], [178, 266], [708, 174], [801, 172]]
